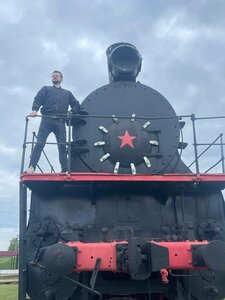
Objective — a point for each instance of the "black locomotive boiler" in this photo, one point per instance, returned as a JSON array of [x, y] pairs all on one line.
[[129, 220]]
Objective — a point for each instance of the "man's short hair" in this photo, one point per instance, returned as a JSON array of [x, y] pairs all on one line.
[[58, 72]]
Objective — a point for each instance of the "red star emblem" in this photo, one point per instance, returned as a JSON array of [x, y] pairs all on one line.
[[126, 139]]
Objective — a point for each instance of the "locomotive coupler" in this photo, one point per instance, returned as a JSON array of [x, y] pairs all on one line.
[[139, 258]]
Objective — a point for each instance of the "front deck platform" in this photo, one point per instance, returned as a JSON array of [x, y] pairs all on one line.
[[189, 180]]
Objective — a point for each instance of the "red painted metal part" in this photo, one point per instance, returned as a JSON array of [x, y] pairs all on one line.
[[164, 274], [180, 255], [88, 177], [88, 253]]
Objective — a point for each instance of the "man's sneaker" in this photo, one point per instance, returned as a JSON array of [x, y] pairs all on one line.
[[30, 170]]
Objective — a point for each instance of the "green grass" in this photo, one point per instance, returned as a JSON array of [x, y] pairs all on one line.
[[8, 291], [7, 263]]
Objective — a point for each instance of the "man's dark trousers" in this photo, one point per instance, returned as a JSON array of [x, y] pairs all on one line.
[[48, 125]]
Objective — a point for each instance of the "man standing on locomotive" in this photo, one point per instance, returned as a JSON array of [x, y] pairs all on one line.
[[54, 102]]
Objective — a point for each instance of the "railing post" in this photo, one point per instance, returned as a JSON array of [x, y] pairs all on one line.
[[222, 152], [33, 138], [195, 143], [24, 146], [69, 144], [22, 242]]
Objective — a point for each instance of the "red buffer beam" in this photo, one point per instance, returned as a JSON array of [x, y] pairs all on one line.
[[138, 257], [180, 255]]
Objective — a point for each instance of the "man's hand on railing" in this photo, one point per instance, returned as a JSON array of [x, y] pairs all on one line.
[[33, 114], [70, 113]]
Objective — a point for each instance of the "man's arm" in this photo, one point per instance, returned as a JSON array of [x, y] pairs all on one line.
[[74, 104], [38, 101]]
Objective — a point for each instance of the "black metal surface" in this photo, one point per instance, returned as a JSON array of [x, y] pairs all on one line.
[[59, 259], [159, 257], [95, 273], [124, 62], [210, 230], [128, 98], [214, 256], [115, 214], [140, 258], [90, 290], [22, 243]]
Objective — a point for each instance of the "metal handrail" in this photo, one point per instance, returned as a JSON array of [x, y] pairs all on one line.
[[45, 155], [213, 166], [207, 148], [69, 117], [78, 116], [195, 144], [24, 145]]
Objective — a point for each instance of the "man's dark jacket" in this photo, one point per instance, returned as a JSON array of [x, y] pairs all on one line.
[[55, 101]]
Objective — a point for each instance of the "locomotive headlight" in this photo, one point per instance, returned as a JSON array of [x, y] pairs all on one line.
[[124, 62]]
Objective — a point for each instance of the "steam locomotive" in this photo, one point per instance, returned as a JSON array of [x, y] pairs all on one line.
[[129, 220]]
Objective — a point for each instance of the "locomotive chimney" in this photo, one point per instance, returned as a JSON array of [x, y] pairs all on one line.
[[124, 62]]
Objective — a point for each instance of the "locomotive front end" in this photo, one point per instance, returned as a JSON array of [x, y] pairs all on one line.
[[129, 221]]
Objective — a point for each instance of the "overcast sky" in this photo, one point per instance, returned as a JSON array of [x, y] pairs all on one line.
[[182, 44]]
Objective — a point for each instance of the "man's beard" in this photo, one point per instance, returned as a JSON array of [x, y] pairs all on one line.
[[56, 81]]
